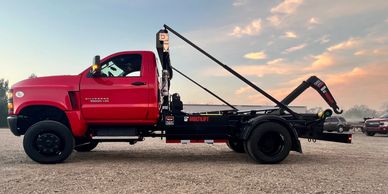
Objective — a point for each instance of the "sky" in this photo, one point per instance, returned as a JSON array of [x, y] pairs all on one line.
[[275, 44]]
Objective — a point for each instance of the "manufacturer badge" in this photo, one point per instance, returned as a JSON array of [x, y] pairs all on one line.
[[19, 94]]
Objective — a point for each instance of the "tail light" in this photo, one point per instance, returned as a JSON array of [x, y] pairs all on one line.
[[10, 102]]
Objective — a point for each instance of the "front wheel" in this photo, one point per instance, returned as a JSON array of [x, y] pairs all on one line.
[[370, 133], [48, 142], [269, 143]]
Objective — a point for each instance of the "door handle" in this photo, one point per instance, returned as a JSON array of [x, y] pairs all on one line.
[[138, 83]]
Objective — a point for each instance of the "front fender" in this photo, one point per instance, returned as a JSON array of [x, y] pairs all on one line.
[[49, 96]]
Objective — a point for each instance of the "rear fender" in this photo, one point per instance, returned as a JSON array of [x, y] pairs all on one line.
[[254, 122]]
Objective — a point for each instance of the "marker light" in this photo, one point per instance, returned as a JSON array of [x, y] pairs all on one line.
[[10, 102], [95, 67], [10, 105]]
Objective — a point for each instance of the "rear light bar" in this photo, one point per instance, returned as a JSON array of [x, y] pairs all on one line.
[[10, 102]]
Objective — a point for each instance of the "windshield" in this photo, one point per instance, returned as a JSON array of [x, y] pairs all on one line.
[[384, 115]]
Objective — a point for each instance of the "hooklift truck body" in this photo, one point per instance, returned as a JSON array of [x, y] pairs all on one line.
[[120, 99]]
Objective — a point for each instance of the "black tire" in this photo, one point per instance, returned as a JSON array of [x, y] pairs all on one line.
[[269, 143], [370, 133], [87, 147], [236, 145], [48, 142]]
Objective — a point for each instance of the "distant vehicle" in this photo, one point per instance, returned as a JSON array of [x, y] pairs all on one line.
[[376, 125], [336, 123]]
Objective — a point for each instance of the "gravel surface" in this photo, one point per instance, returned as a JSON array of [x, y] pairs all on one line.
[[153, 167]]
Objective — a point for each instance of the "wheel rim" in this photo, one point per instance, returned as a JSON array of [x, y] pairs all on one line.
[[341, 129], [48, 144], [271, 143]]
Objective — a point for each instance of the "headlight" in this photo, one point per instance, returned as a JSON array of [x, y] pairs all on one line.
[[10, 102], [385, 123]]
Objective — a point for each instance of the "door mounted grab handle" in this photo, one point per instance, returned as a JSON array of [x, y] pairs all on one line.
[[138, 83]]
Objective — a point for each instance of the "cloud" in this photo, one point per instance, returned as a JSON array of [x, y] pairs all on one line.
[[275, 61], [327, 58], [258, 98], [324, 39], [343, 85], [282, 10], [255, 70], [351, 43], [361, 85], [237, 3], [261, 70], [290, 34], [348, 87], [244, 90], [274, 20], [314, 21], [256, 55], [321, 61], [287, 7], [295, 48], [254, 28], [341, 78], [372, 52]]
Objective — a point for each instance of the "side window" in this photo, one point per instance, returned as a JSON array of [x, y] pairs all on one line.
[[122, 66]]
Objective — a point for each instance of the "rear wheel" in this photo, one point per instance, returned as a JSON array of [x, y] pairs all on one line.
[[370, 133], [340, 129], [48, 142], [236, 145], [86, 147], [269, 143]]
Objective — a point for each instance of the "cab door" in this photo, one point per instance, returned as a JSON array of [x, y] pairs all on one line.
[[120, 92]]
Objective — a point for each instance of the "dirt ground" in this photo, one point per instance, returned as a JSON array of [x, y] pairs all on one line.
[[153, 167]]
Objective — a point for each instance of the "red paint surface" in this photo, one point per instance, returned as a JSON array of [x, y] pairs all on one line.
[[128, 104]]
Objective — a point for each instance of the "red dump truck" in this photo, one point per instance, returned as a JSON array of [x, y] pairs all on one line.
[[122, 98]]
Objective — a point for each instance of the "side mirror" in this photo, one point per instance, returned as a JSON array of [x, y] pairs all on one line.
[[96, 67]]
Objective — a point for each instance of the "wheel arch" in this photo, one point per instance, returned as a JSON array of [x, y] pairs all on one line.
[[254, 122], [34, 113]]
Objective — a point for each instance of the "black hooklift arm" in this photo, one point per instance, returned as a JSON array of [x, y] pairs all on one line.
[[279, 104], [210, 92], [320, 87]]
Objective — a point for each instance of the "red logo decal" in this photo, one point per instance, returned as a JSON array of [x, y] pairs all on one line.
[[198, 119]]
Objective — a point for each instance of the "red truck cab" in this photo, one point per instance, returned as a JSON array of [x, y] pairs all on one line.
[[125, 93]]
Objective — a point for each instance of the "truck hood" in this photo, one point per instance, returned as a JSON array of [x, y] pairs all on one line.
[[67, 82]]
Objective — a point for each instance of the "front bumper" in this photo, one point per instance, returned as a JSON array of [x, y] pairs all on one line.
[[13, 125]]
